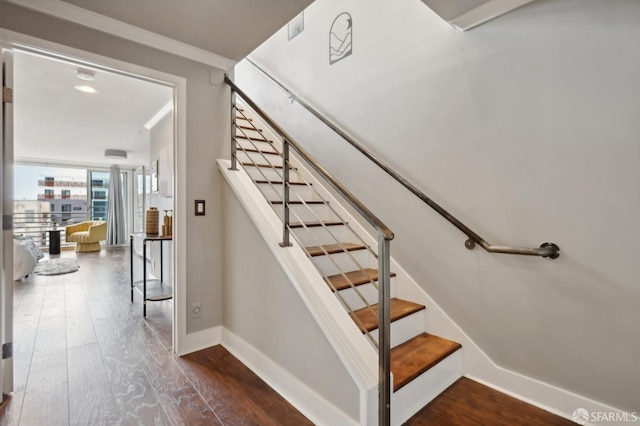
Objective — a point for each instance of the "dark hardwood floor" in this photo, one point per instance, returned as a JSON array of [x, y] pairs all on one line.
[[469, 403], [84, 355]]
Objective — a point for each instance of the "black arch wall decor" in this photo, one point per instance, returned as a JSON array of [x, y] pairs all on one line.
[[340, 38]]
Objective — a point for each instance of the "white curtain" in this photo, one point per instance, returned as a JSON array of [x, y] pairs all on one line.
[[116, 226]]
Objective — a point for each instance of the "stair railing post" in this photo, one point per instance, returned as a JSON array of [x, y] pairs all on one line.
[[234, 160], [384, 326], [285, 194]]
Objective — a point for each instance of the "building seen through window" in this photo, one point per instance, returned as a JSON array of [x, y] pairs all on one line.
[[44, 194]]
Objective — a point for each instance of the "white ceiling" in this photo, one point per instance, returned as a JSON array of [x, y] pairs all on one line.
[[56, 124], [229, 28]]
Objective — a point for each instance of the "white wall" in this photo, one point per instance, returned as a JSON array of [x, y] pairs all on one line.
[[262, 307], [207, 107], [526, 129]]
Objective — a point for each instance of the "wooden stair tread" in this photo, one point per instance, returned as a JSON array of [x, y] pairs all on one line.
[[270, 166], [368, 317], [333, 248], [259, 151], [417, 355], [279, 182], [253, 139], [314, 224], [299, 202], [239, 117], [364, 276], [240, 126]]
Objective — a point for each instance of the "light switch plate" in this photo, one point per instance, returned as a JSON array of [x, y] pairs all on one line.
[[199, 208]]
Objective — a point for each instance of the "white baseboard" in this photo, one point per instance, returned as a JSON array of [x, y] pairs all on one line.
[[317, 409], [548, 397], [199, 340]]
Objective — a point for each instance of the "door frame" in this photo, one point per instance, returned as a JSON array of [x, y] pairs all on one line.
[[12, 40], [6, 235]]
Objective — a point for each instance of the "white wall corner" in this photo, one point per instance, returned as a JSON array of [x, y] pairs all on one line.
[[199, 340], [485, 12]]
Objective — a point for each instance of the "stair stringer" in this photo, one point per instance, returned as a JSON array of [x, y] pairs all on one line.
[[351, 346]]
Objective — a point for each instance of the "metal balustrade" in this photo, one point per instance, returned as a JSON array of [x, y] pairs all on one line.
[[287, 196]]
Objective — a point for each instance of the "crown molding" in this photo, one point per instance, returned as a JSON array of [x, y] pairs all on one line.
[[485, 12], [69, 12]]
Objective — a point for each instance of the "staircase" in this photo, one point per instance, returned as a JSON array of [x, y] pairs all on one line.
[[422, 364]]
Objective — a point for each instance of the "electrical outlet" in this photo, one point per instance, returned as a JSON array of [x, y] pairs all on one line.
[[196, 310]]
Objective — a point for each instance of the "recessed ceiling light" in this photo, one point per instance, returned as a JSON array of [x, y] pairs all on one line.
[[115, 153], [86, 75], [85, 89]]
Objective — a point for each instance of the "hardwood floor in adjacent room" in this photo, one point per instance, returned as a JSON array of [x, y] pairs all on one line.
[[84, 355]]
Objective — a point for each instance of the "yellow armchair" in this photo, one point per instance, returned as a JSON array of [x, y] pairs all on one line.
[[87, 235]]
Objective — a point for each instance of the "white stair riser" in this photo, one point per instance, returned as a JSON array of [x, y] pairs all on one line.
[[258, 158], [317, 235], [405, 328], [308, 213], [274, 192], [367, 291], [419, 392], [267, 173], [344, 262]]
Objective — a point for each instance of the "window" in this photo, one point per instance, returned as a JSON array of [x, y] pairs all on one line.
[[66, 194], [52, 207], [30, 215], [66, 207], [99, 195], [99, 210], [49, 181], [48, 194]]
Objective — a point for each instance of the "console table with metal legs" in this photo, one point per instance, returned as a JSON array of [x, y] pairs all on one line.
[[152, 290]]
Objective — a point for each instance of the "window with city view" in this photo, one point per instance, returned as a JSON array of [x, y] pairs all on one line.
[[44, 195]]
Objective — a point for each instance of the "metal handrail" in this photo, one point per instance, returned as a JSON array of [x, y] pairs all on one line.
[[351, 199], [547, 249]]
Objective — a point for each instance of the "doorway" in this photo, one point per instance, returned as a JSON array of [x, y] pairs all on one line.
[[71, 152]]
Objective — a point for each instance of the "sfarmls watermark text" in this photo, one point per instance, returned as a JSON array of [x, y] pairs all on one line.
[[582, 416]]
